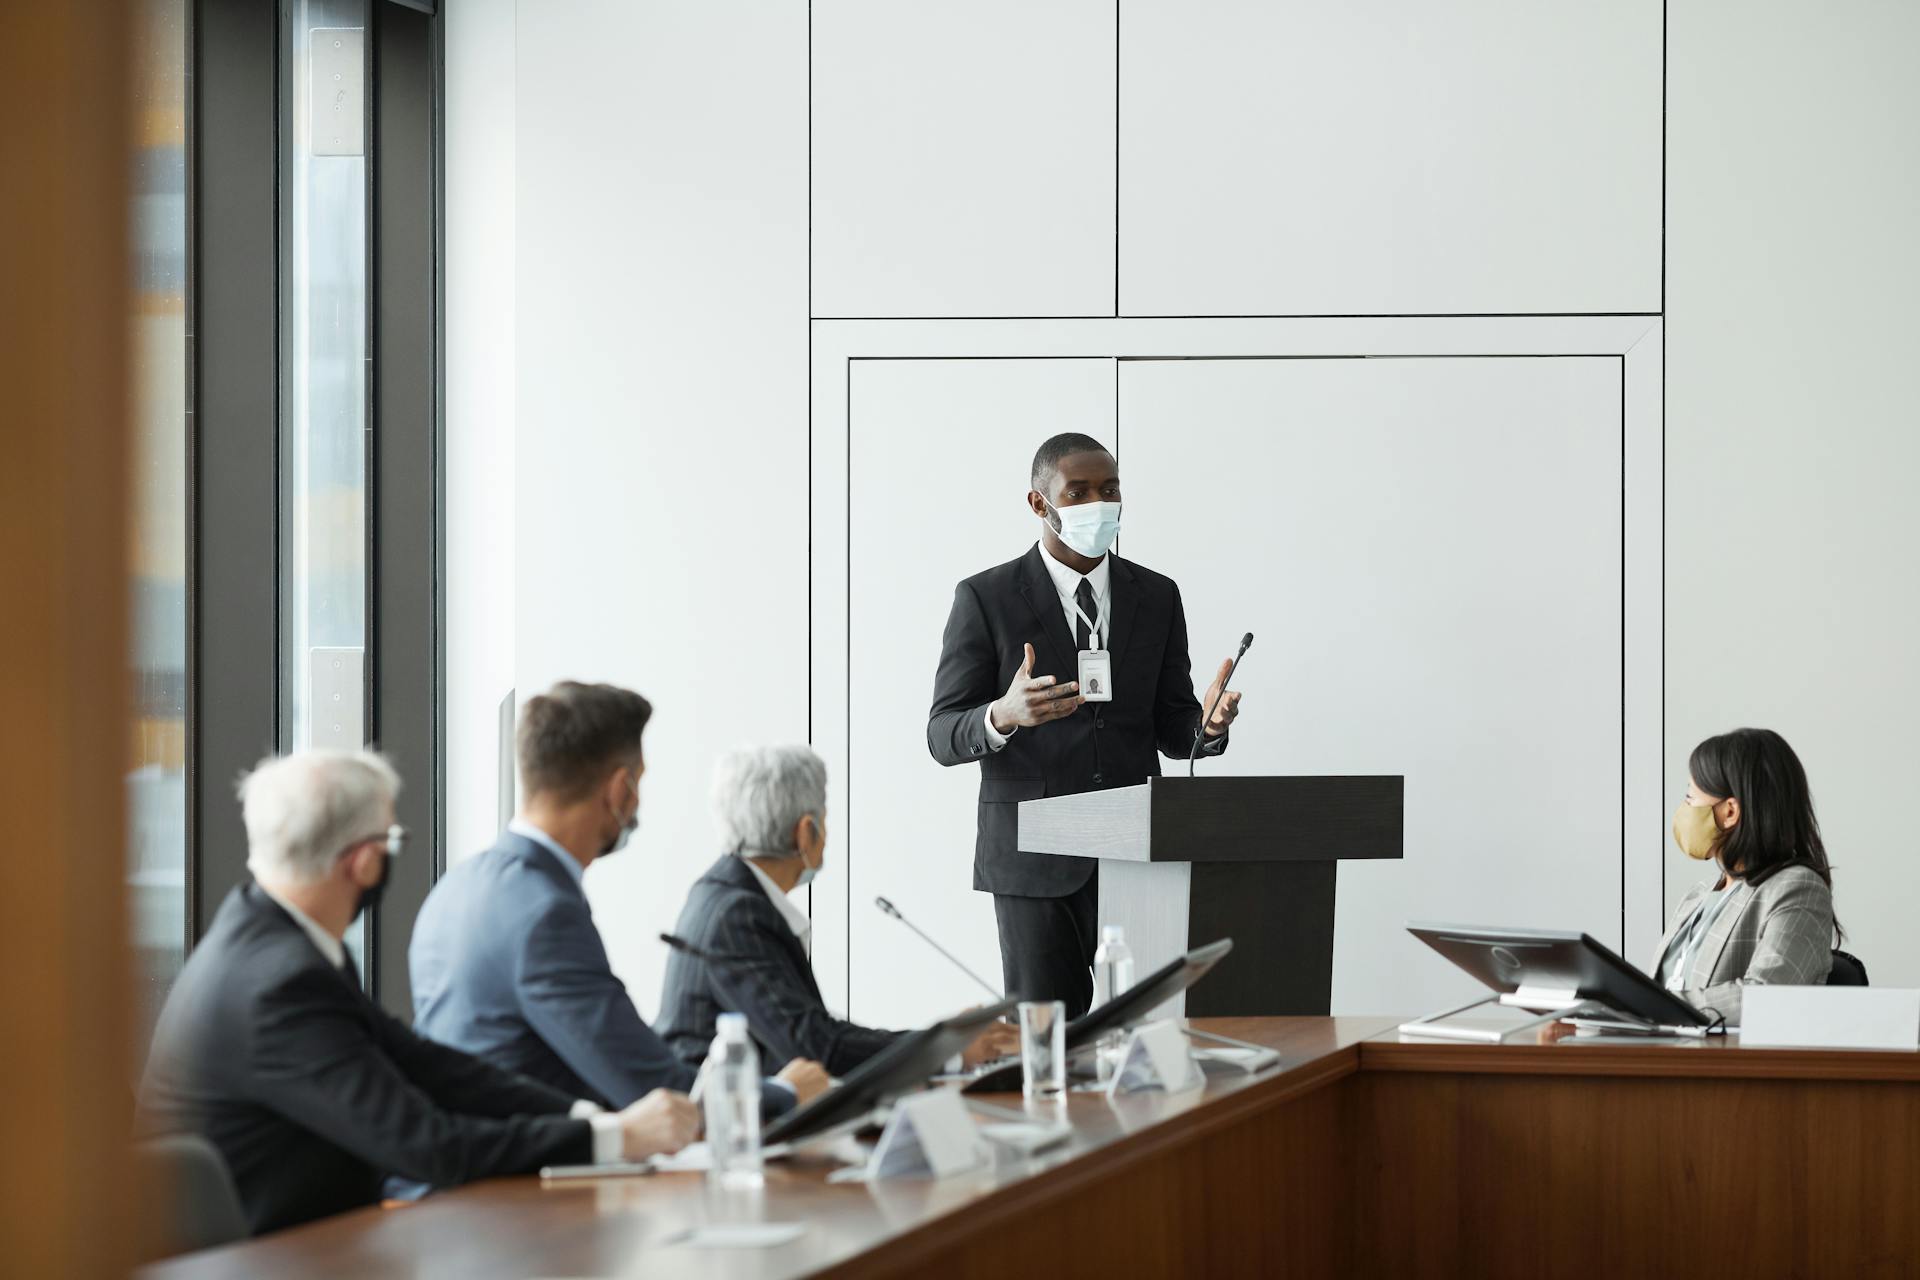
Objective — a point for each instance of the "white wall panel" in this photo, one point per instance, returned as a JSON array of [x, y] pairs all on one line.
[[963, 158], [937, 465], [1429, 554], [479, 440], [662, 402], [1389, 156], [1793, 538]]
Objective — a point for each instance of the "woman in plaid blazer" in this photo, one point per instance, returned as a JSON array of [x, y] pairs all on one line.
[[1766, 915]]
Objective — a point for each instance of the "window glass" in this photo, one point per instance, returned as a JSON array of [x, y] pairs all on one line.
[[324, 381], [156, 777]]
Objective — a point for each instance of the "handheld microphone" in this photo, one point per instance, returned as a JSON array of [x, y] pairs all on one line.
[[894, 911], [1200, 730]]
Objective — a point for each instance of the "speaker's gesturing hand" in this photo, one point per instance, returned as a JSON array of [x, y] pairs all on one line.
[[1032, 700]]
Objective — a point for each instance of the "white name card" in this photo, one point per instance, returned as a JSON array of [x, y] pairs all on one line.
[[1157, 1054], [1830, 1017], [929, 1133]]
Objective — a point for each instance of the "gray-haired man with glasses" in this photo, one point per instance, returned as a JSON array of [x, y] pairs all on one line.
[[313, 1094]]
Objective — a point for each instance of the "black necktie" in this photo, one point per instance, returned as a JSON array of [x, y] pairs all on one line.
[[1082, 633], [350, 971]]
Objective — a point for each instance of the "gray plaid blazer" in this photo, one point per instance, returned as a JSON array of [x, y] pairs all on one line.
[[763, 972], [1778, 931]]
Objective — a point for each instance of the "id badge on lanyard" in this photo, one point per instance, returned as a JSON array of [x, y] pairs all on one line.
[[1096, 665], [1096, 675]]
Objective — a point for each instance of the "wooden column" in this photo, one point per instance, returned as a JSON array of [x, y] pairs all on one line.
[[65, 1098]]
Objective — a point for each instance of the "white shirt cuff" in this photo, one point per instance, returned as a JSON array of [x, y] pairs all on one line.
[[995, 738], [608, 1144]]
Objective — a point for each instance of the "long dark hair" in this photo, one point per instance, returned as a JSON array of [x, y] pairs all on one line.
[[1777, 828]]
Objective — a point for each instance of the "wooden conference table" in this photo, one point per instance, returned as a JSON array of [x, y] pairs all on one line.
[[1358, 1155]]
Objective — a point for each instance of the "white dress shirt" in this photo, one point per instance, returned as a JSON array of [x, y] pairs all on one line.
[[1066, 583], [795, 918]]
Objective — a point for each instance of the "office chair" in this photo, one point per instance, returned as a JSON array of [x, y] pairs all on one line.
[[1847, 971], [201, 1206]]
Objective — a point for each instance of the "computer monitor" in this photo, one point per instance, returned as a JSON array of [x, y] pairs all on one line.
[[1125, 1009], [1557, 967], [901, 1067], [1140, 999]]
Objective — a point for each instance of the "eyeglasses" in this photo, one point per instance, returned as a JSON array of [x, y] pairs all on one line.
[[396, 840]]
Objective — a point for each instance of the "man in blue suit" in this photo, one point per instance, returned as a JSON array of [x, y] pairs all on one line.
[[506, 961]]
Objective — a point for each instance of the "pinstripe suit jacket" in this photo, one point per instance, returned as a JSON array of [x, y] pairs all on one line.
[[767, 977], [1779, 931]]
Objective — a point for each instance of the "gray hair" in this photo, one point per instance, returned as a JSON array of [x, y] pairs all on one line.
[[302, 810], [761, 793]]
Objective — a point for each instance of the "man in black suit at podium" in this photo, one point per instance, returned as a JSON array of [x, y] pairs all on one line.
[[1069, 610]]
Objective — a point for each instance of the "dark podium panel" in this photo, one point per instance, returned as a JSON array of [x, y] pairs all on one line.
[[1184, 861]]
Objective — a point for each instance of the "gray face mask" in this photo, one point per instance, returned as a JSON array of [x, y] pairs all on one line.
[[807, 873]]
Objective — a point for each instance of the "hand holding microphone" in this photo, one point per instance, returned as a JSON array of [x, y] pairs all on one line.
[[1225, 702], [1221, 706]]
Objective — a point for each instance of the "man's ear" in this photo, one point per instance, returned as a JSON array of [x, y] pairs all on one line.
[[1036, 503], [363, 864]]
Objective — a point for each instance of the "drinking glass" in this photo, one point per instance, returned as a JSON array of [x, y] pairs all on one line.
[[1043, 1048]]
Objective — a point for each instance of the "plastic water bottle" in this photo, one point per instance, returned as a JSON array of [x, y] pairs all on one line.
[[1112, 974], [731, 1100]]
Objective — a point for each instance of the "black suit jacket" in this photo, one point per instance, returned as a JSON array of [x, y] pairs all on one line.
[[314, 1094], [1103, 744], [767, 977]]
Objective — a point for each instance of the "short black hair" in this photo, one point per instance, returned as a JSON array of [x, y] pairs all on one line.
[[1046, 460], [574, 734]]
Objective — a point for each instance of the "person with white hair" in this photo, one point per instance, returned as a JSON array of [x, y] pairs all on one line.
[[770, 804], [269, 1048]]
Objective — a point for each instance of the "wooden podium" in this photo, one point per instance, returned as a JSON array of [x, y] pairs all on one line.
[[1184, 861]]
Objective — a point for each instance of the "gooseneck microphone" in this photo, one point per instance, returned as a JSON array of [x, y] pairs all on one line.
[[894, 911], [681, 945], [1200, 730]]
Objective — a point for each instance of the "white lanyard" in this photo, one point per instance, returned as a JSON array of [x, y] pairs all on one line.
[[1698, 926], [1096, 632]]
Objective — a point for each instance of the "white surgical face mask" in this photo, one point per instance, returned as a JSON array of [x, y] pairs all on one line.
[[807, 873], [1089, 527]]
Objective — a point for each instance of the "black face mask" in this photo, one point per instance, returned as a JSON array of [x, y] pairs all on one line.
[[370, 896]]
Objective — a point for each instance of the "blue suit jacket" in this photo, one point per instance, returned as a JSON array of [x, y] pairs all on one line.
[[508, 965]]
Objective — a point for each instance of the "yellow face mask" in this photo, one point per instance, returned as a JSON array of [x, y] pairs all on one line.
[[1695, 831]]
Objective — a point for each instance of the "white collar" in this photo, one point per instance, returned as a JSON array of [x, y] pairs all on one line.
[[331, 947], [1066, 578], [521, 827], [796, 918]]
